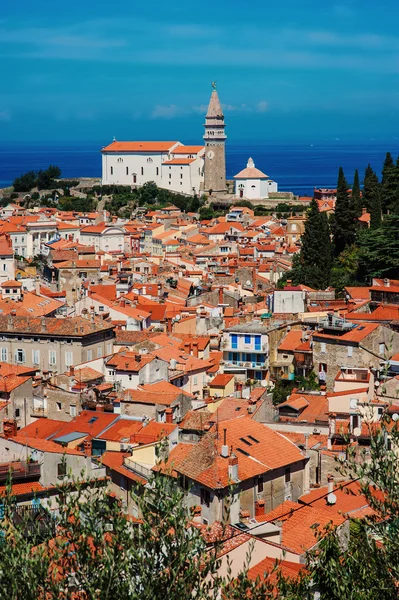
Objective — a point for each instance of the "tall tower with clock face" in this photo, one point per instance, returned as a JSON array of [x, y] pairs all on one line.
[[215, 159]]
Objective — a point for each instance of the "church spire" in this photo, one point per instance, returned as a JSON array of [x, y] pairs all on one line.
[[214, 108], [215, 137]]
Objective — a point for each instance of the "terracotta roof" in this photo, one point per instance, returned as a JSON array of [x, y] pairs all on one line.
[[139, 147], [43, 445], [88, 423], [127, 361], [114, 461], [291, 341], [258, 448], [179, 161], [188, 149], [221, 380], [71, 326], [42, 428]]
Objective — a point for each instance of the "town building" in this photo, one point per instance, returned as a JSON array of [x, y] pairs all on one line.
[[252, 184]]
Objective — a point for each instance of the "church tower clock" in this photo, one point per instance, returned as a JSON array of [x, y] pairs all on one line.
[[215, 159]]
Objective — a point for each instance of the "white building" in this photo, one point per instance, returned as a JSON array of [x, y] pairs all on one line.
[[252, 184], [108, 238], [171, 165]]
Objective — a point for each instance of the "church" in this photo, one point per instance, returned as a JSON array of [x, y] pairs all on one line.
[[184, 169], [172, 165]]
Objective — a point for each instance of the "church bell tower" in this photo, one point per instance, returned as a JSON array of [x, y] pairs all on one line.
[[215, 137]]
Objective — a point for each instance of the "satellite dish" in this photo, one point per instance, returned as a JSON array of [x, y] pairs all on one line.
[[331, 498], [357, 431], [177, 318], [248, 283], [395, 417], [342, 457]]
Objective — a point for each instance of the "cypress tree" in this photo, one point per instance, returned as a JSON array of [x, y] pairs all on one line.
[[315, 255], [343, 222], [372, 197], [356, 198], [388, 183]]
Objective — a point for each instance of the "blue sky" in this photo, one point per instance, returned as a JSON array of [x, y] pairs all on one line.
[[285, 70]]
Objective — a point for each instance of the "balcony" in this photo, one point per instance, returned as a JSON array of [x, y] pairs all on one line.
[[20, 470], [242, 365], [137, 468]]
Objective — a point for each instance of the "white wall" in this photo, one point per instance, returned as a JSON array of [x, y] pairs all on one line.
[[288, 301]]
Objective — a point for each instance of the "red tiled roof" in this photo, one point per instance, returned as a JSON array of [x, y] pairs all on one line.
[[139, 147], [114, 461]]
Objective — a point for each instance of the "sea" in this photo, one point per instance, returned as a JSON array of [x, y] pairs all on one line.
[[297, 167]]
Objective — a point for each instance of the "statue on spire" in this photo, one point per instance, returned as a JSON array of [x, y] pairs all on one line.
[[214, 85]]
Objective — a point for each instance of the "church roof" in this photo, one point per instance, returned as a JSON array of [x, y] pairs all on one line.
[[139, 147], [179, 161], [214, 108], [187, 149], [251, 172]]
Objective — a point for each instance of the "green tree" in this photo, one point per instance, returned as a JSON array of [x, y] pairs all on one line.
[[343, 223], [25, 182], [356, 196], [379, 250], [389, 182], [313, 266], [371, 195]]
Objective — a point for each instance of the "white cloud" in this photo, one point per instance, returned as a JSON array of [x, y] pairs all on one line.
[[170, 111], [262, 106]]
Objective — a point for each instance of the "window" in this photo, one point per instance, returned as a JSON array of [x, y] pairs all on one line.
[[112, 170], [157, 171], [36, 357], [17, 413], [130, 377], [20, 355], [195, 380], [89, 354], [58, 405], [122, 483], [52, 358], [247, 338], [382, 348], [205, 497], [234, 341], [323, 348], [127, 170], [61, 469], [72, 410], [99, 352], [135, 178], [181, 175], [260, 485], [68, 359], [142, 170], [258, 339], [350, 351], [4, 266], [4, 355], [287, 475], [170, 175]]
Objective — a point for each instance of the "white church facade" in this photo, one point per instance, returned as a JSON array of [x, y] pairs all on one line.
[[252, 184], [171, 165]]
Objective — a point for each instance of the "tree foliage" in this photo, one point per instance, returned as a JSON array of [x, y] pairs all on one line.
[[379, 250], [343, 223], [43, 179], [389, 183], [312, 266], [356, 199]]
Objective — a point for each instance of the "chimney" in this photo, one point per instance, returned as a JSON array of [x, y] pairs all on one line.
[[225, 449], [122, 303], [71, 371], [259, 508], [233, 467], [87, 447], [169, 415], [9, 428], [330, 480], [220, 295], [138, 358], [387, 283], [364, 210], [10, 322], [195, 349]]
